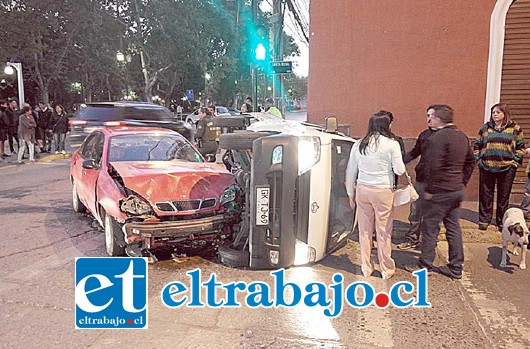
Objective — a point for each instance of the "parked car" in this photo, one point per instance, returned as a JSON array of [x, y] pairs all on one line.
[[97, 115], [150, 188], [233, 111], [292, 175], [219, 111]]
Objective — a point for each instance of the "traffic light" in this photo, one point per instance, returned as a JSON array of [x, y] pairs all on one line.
[[261, 52]]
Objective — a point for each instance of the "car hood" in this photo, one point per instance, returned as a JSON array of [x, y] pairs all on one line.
[[158, 181]]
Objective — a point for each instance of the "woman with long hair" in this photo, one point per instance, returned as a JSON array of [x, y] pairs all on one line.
[[59, 128], [499, 150], [370, 180]]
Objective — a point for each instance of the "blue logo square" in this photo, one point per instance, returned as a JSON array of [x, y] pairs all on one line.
[[111, 293]]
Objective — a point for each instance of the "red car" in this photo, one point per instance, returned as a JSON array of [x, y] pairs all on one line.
[[150, 187]]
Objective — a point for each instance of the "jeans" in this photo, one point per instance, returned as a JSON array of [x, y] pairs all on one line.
[[416, 214], [525, 204], [58, 139], [22, 149], [12, 133], [488, 181], [443, 207]]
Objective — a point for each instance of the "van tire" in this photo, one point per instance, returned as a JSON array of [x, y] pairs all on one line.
[[239, 140], [232, 257]]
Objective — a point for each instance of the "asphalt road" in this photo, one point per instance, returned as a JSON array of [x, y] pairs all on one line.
[[42, 236]]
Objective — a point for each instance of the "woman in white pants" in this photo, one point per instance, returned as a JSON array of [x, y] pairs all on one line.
[[26, 133], [374, 160]]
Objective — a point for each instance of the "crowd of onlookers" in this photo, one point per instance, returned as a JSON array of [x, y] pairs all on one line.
[[446, 163], [38, 129]]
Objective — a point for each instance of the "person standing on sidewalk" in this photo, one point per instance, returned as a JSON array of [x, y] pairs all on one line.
[[370, 175], [12, 130], [43, 127], [412, 238], [499, 150], [59, 128], [4, 122], [449, 165], [26, 133]]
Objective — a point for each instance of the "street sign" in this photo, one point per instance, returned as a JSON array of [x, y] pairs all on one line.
[[189, 94], [282, 67]]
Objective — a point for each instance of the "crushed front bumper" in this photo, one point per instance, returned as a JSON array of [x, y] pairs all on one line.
[[167, 232]]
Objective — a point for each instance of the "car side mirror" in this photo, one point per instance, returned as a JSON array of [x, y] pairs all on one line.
[[90, 164], [332, 125], [210, 157]]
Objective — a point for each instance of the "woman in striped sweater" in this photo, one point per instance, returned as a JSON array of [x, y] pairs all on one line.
[[499, 150]]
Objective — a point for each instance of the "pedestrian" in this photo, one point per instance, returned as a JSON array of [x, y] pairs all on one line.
[[448, 168], [12, 130], [59, 128], [26, 133], [206, 133], [412, 237], [179, 111], [271, 109], [44, 127], [249, 104], [499, 150], [4, 127], [370, 180]]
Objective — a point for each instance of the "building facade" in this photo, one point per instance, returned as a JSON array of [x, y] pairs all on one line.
[[403, 55]]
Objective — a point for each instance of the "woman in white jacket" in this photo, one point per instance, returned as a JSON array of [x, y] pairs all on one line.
[[374, 160]]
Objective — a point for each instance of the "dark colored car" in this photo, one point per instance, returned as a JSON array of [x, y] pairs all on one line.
[[103, 114]]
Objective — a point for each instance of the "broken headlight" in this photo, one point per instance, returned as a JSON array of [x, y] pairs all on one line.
[[135, 206], [229, 195]]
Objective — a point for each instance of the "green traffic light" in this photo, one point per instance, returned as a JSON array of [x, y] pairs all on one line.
[[260, 52]]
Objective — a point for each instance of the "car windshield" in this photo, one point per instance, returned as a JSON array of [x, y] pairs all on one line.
[[152, 147]]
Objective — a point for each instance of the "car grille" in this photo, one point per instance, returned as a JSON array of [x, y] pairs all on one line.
[[186, 205]]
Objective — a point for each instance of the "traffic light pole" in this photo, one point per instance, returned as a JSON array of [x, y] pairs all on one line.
[[254, 87]]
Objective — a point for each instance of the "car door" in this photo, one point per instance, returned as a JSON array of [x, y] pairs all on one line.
[[90, 175], [78, 171]]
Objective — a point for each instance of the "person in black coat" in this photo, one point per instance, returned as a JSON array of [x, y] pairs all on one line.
[[12, 128], [59, 128], [44, 127], [4, 122]]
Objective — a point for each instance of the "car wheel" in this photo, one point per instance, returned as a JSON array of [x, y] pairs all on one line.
[[114, 240], [232, 121], [78, 206], [232, 257], [239, 140]]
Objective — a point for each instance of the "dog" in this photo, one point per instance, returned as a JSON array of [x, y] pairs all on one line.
[[514, 230]]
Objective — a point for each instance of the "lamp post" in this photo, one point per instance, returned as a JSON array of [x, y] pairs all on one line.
[[9, 71], [124, 59]]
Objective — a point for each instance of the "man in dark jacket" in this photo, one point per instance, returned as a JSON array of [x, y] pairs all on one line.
[[44, 127], [12, 132], [449, 165], [412, 238], [4, 122]]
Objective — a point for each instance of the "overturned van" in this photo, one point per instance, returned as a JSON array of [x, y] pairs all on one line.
[[291, 175]]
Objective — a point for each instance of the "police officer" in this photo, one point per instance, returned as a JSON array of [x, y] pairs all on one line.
[[206, 133]]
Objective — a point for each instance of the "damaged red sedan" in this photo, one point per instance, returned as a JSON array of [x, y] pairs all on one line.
[[151, 188]]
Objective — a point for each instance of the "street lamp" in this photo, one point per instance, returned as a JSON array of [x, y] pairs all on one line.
[[9, 71]]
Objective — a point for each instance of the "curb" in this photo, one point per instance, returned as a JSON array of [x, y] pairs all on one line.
[[53, 157]]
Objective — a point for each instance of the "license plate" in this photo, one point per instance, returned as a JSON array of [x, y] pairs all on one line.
[[262, 205]]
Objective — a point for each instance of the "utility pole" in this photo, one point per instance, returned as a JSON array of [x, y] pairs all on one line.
[[253, 68], [277, 51]]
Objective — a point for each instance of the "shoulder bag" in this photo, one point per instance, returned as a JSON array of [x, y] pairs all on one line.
[[406, 194]]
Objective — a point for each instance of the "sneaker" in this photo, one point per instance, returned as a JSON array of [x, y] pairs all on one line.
[[407, 245], [483, 226], [445, 270], [56, 152], [63, 152]]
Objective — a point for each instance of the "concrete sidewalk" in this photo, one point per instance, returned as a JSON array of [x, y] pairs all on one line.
[[468, 221]]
